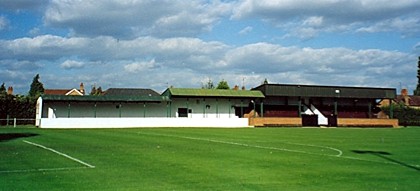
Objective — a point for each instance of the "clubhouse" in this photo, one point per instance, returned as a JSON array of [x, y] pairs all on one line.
[[265, 105]]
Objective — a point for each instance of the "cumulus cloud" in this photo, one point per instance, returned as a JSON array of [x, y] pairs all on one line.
[[140, 66], [72, 64], [131, 19], [246, 30], [22, 4], [3, 23], [408, 26], [161, 59], [307, 18]]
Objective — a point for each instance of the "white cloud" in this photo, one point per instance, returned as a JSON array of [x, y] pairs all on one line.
[[3, 23], [302, 18], [185, 62], [22, 4], [245, 30], [140, 66], [72, 64], [131, 19], [407, 26]]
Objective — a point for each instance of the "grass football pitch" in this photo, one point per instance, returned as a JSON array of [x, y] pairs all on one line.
[[210, 159]]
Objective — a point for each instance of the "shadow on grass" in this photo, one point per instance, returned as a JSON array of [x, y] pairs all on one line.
[[11, 136], [384, 155]]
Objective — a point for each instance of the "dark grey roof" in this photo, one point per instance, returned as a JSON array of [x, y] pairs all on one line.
[[130, 92], [105, 98], [326, 91]]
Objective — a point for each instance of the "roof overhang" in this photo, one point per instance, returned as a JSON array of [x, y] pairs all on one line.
[[91, 98], [212, 93], [326, 91]]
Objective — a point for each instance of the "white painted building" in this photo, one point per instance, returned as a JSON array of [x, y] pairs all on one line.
[[176, 107]]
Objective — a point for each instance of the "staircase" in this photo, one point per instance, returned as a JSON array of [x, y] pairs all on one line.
[[312, 110]]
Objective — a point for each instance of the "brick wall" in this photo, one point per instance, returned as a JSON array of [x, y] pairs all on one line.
[[364, 122], [342, 122], [275, 121]]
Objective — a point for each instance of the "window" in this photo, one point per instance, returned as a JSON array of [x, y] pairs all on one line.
[[182, 112]]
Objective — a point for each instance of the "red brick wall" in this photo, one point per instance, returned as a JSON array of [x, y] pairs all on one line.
[[275, 121], [342, 122], [365, 122]]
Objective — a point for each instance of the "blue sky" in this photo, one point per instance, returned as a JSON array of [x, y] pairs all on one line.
[[155, 44]]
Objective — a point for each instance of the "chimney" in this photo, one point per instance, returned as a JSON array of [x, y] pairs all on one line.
[[82, 88], [405, 97], [404, 92], [10, 90]]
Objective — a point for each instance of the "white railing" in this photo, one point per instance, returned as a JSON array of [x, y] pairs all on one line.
[[16, 121]]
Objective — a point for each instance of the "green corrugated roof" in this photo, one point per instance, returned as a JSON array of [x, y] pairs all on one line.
[[89, 98], [190, 92]]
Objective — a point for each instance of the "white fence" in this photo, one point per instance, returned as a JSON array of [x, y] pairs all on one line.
[[142, 122], [16, 121]]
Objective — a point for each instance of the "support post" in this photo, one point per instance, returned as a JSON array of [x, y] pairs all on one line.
[[167, 109], [300, 107], [391, 109], [336, 107], [262, 109], [144, 109], [68, 110], [253, 103], [119, 110], [230, 106], [204, 108], [14, 122], [188, 109], [170, 109], [94, 110], [370, 109], [242, 109], [217, 108]]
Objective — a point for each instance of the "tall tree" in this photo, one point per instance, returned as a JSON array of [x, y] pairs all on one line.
[[417, 90], [3, 89], [208, 85], [37, 88], [96, 91], [223, 85]]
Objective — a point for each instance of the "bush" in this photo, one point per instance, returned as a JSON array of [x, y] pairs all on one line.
[[406, 116], [20, 107]]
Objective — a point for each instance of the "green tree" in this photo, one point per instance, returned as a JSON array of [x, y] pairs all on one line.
[[3, 90], [37, 88], [96, 91], [417, 90], [208, 85], [223, 85]]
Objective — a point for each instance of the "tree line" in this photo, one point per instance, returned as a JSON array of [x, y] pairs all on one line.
[[22, 107]]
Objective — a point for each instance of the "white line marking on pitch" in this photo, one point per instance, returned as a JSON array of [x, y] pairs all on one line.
[[339, 155], [60, 153], [43, 169], [255, 146]]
